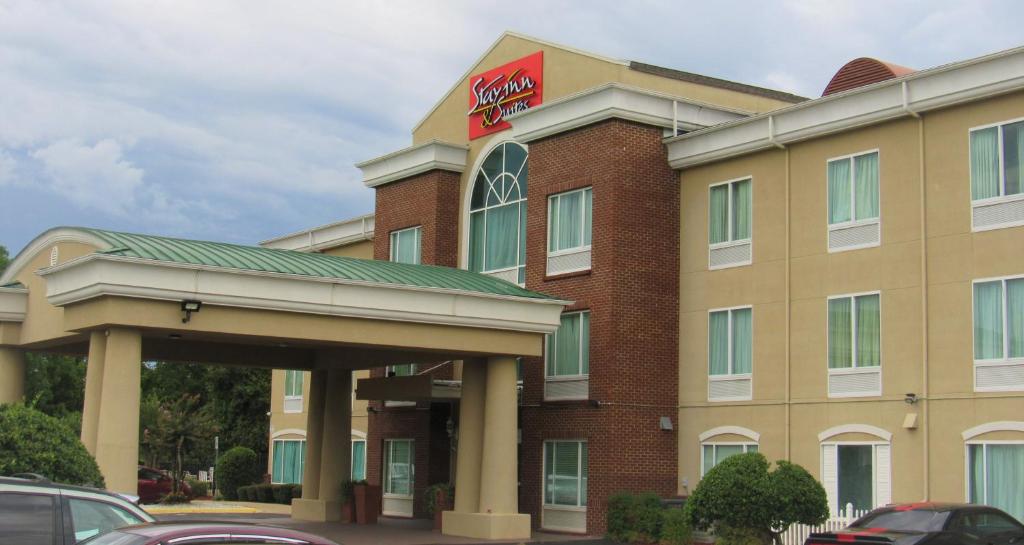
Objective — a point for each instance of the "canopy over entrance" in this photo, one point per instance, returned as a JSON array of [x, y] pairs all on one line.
[[122, 298]]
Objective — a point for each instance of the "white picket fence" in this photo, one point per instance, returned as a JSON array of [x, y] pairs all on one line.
[[797, 533]]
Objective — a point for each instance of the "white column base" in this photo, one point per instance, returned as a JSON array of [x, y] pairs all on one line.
[[316, 510], [486, 525]]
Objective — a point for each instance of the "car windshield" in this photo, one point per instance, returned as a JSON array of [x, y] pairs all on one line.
[[904, 521], [115, 538]]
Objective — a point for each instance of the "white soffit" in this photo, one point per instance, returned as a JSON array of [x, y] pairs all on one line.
[[433, 155], [97, 275], [325, 236], [13, 304], [914, 93], [614, 100]]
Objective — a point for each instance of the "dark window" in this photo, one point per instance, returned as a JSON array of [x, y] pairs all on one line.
[[92, 518], [27, 519], [907, 521], [988, 524]]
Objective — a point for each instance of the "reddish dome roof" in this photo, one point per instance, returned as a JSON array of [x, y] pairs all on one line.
[[863, 71]]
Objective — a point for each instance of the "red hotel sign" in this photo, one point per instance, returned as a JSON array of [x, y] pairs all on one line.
[[503, 91]]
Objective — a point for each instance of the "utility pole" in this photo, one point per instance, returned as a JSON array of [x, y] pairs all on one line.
[[216, 456]]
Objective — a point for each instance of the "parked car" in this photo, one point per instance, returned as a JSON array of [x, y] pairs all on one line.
[[210, 533], [929, 524], [155, 484], [38, 512]]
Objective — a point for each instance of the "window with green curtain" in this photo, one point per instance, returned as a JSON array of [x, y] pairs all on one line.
[[729, 211], [853, 188], [293, 383], [569, 220], [402, 370], [1013, 153], [568, 348], [565, 473], [854, 332], [358, 460], [288, 462], [714, 453], [730, 342], [995, 476], [398, 467], [993, 338], [405, 245], [996, 170], [497, 227]]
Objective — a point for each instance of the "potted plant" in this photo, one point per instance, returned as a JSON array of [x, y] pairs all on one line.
[[348, 501], [367, 502], [437, 499]]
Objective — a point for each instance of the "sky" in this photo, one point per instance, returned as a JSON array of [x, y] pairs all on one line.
[[239, 121]]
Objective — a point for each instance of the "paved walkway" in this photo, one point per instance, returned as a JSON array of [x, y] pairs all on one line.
[[388, 531]]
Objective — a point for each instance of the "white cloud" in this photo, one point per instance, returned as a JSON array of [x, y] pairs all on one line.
[[91, 176], [7, 167]]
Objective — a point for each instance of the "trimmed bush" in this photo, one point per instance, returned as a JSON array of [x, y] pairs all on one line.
[[265, 493], [244, 493], [33, 442], [199, 488], [283, 493], [238, 466], [297, 491], [634, 518], [173, 498], [619, 506], [675, 528]]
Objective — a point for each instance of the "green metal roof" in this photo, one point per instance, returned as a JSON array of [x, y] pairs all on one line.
[[255, 258]]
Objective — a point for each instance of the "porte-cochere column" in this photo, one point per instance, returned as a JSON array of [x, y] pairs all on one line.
[[497, 513], [328, 446], [12, 375], [117, 437]]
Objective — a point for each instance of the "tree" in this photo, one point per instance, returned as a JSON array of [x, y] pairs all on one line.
[[237, 467], [180, 426], [741, 494], [4, 259], [33, 442]]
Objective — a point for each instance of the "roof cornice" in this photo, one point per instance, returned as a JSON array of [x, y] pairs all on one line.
[[432, 155], [327, 236], [908, 95], [13, 304], [615, 100]]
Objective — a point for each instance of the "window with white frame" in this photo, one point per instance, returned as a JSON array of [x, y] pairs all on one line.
[[399, 469], [568, 358], [995, 475], [293, 390], [289, 461], [358, 459], [402, 370], [569, 226], [854, 345], [730, 223], [997, 176], [730, 353], [713, 453], [405, 245], [565, 473], [497, 217], [853, 202], [999, 334]]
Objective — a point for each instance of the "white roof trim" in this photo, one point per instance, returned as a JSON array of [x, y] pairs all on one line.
[[734, 430], [538, 41], [855, 428], [97, 275], [615, 100], [44, 242], [288, 431], [917, 92], [327, 236], [433, 155], [1005, 425], [13, 304]]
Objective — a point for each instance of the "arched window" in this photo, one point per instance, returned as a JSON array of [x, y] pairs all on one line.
[[497, 218]]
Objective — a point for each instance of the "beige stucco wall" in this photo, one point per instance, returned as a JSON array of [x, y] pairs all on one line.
[[44, 322], [954, 256], [362, 249]]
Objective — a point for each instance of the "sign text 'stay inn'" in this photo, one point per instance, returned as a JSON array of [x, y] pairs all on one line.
[[503, 91]]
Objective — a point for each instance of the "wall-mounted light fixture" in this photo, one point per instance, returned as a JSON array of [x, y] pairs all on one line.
[[665, 423], [910, 398], [189, 306]]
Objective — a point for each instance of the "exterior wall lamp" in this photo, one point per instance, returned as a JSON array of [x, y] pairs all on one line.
[[189, 306]]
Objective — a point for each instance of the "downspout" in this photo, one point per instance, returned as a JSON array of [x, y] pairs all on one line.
[[789, 305], [771, 133], [675, 117]]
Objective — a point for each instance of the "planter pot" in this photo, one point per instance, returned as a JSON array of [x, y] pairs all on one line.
[[368, 498], [441, 505], [348, 510]]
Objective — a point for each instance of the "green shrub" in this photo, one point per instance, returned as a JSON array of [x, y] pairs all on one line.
[[741, 498], [675, 528], [265, 493], [244, 493], [283, 493], [619, 526], [297, 491], [199, 488], [175, 497], [238, 466], [728, 535], [430, 497], [32, 442]]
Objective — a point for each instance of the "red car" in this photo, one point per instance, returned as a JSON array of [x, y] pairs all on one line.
[[155, 484], [206, 533]]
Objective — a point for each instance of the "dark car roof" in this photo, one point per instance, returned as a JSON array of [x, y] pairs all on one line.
[[173, 529], [929, 506]]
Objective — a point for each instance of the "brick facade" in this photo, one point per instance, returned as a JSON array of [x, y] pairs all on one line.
[[633, 351]]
